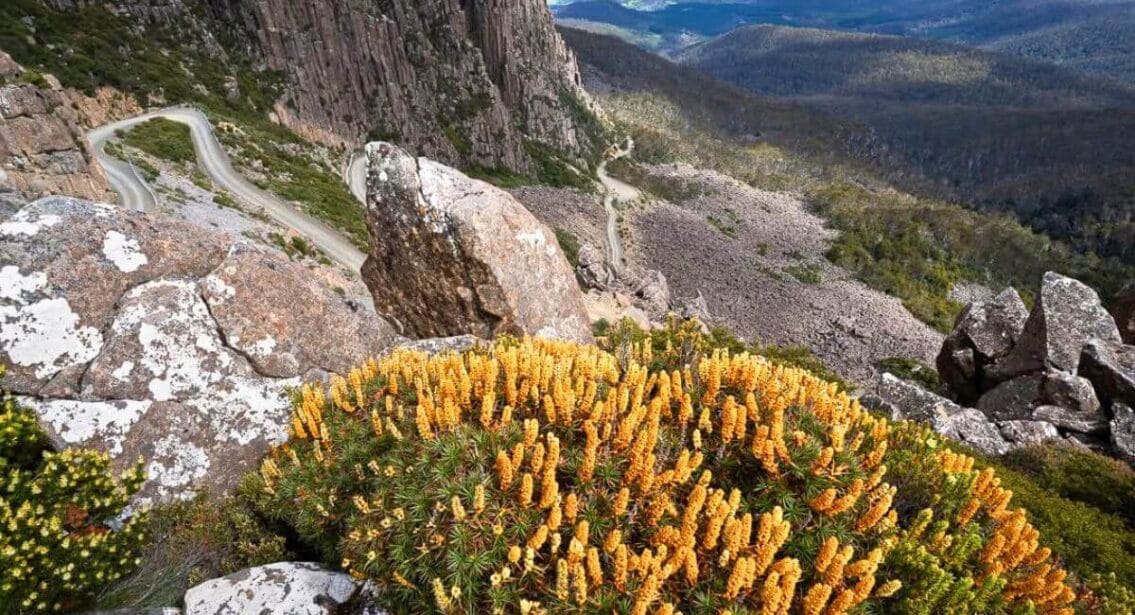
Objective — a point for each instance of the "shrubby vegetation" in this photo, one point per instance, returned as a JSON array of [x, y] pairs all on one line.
[[162, 138], [665, 474], [57, 546], [190, 542]]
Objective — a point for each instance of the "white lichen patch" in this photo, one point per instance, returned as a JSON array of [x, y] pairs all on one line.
[[176, 463], [122, 374], [123, 251], [46, 336], [27, 223], [219, 289], [14, 285], [180, 350], [262, 348], [79, 423], [244, 410]]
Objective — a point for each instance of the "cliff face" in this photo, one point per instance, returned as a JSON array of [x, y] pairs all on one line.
[[462, 81], [42, 147]]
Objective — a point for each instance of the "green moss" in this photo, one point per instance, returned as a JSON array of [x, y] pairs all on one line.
[[805, 273], [1081, 476]]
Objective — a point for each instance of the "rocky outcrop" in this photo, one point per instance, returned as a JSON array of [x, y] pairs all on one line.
[[462, 81], [1060, 373], [147, 337], [43, 149], [452, 255], [1066, 315], [983, 333], [286, 587], [1123, 432]]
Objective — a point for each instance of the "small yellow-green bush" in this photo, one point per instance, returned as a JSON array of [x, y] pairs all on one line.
[[536, 476], [56, 544]]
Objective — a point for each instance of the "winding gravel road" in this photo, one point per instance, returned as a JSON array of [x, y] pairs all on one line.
[[213, 160], [617, 191]]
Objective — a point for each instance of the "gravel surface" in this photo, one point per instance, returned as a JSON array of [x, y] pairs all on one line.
[[576, 212], [748, 278]]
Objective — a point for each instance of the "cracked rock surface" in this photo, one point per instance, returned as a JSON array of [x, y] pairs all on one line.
[[150, 338]]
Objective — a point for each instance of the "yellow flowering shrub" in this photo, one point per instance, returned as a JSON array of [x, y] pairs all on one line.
[[536, 476], [56, 545]]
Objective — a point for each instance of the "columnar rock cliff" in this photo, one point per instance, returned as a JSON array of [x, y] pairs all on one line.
[[461, 81]]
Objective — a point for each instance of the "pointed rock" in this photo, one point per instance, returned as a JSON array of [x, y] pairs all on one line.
[[1111, 370], [984, 332], [1066, 315], [452, 255]]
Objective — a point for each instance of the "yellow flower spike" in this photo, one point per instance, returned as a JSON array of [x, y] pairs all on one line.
[[504, 469], [524, 497], [888, 589], [594, 570]]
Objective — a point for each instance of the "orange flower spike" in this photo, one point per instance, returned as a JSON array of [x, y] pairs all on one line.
[[525, 495], [816, 599], [504, 470]]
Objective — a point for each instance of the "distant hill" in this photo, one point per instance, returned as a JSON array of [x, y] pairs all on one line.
[[1090, 35], [1049, 144]]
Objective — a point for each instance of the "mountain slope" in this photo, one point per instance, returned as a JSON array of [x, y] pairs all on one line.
[[1090, 35], [471, 83], [1042, 142]]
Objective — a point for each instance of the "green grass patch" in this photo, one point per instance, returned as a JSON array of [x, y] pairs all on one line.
[[163, 138], [569, 243], [805, 273], [912, 370]]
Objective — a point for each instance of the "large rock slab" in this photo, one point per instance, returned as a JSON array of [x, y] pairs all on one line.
[[275, 314], [1123, 432], [148, 338], [1013, 399], [1028, 433], [452, 255], [1069, 391], [286, 587], [1067, 314], [1111, 370], [1070, 420], [974, 429], [911, 401], [65, 265]]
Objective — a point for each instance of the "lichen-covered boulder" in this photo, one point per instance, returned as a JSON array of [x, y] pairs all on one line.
[[145, 337], [285, 321], [1028, 433], [1070, 391], [1123, 432], [911, 401], [972, 428], [1013, 399], [1067, 314], [451, 255], [1111, 369], [1068, 419], [286, 587]]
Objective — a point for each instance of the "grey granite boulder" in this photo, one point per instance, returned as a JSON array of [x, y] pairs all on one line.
[[1071, 420], [1013, 399], [1111, 369], [974, 429], [910, 401], [1069, 391], [1067, 314], [1028, 433], [451, 255], [592, 269], [286, 587], [1123, 432]]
